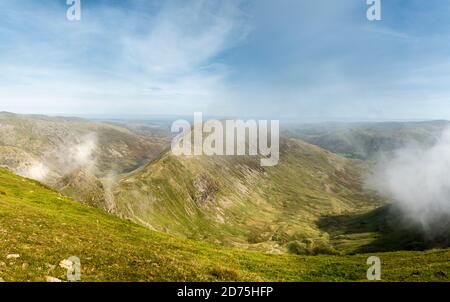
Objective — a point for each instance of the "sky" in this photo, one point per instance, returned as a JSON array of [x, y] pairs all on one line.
[[297, 59]]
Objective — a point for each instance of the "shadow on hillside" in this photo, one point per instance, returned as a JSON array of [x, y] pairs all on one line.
[[388, 229]]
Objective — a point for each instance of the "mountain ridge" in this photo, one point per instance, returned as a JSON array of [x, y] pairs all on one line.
[[233, 200]]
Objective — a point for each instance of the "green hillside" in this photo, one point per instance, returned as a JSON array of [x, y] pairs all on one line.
[[235, 201], [43, 228]]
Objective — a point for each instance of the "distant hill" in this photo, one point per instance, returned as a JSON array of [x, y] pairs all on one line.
[[59, 150], [367, 140]]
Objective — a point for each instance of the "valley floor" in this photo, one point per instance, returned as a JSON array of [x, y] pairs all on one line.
[[39, 228]]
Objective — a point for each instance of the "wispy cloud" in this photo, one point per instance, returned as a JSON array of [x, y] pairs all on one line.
[[284, 58], [185, 38], [86, 64]]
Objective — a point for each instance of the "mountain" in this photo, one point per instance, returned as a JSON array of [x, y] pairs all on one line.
[[232, 200], [312, 202], [39, 228], [78, 156], [367, 140]]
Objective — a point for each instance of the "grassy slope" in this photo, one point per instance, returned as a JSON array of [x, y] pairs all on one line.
[[233, 200], [45, 228]]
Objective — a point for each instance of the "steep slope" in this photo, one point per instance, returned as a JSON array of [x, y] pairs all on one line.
[[39, 228], [83, 185], [54, 150], [235, 201]]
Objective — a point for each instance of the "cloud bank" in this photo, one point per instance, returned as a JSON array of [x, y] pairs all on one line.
[[417, 179]]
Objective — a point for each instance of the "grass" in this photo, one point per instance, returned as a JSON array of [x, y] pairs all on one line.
[[44, 228]]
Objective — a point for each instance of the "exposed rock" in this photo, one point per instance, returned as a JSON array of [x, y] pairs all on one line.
[[12, 256], [206, 188], [52, 279]]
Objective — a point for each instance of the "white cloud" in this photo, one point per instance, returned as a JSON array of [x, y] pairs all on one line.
[[417, 179]]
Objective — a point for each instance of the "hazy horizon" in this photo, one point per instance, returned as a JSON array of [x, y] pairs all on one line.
[[171, 117]]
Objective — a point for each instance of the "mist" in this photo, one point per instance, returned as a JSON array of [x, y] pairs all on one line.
[[417, 180], [63, 159], [37, 171], [82, 154]]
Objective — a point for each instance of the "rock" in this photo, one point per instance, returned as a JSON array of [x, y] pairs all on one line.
[[51, 266], [12, 256], [52, 279], [1, 280], [24, 266]]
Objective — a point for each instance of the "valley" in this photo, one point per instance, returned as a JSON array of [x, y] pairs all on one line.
[[113, 194]]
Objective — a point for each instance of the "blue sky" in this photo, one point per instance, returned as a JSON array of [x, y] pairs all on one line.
[[301, 59]]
